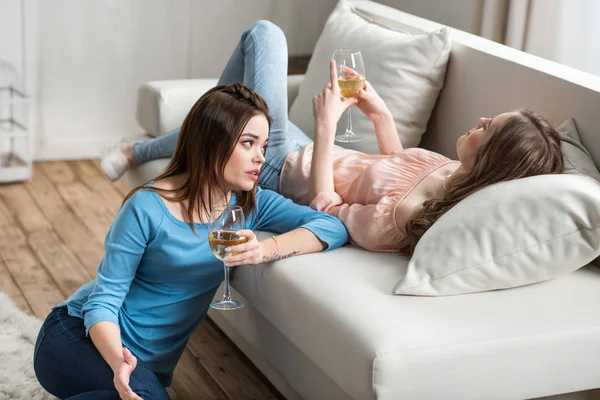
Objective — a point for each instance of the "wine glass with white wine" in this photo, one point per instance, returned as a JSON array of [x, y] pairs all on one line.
[[351, 78], [225, 221]]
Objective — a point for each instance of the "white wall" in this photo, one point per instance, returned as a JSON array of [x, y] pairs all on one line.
[[94, 54], [301, 20], [10, 33]]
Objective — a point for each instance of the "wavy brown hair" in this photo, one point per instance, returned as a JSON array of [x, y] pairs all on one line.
[[207, 138], [526, 145]]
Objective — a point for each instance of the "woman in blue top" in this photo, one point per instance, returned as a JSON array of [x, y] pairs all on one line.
[[122, 334]]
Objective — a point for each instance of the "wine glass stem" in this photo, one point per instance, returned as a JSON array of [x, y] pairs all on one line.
[[349, 130], [227, 294]]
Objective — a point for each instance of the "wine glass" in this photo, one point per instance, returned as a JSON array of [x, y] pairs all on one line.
[[351, 78], [225, 221]]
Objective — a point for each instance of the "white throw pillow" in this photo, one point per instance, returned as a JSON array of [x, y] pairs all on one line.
[[506, 235], [407, 71]]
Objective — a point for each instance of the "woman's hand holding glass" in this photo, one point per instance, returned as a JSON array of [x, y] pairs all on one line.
[[329, 106], [227, 224], [251, 252], [351, 77], [234, 245], [370, 104], [369, 101]]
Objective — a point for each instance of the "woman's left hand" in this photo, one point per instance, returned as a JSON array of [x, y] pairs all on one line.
[[250, 252], [370, 103]]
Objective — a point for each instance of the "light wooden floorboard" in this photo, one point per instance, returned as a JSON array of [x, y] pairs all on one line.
[[193, 382], [98, 184], [53, 254], [119, 185], [71, 230], [222, 361], [33, 280], [9, 286]]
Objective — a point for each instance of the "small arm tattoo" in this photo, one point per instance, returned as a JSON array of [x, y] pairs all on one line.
[[276, 257]]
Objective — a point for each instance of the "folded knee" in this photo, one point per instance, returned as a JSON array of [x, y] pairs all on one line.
[[266, 29]]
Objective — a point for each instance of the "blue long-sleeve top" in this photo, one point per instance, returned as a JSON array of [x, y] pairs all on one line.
[[157, 278]]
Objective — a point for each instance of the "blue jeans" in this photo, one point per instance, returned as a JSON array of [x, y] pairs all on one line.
[[260, 62], [68, 365]]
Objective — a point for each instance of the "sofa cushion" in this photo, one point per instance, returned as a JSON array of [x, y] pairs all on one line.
[[577, 158], [406, 68], [508, 234], [337, 308]]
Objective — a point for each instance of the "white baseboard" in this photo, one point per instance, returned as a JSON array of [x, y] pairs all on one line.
[[66, 149]]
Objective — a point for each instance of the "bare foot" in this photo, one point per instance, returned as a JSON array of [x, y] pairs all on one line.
[[127, 150]]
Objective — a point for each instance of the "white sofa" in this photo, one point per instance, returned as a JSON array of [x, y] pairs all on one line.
[[326, 326]]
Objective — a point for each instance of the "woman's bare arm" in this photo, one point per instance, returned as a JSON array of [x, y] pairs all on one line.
[[328, 107], [387, 134], [375, 109], [106, 336], [321, 171], [293, 243]]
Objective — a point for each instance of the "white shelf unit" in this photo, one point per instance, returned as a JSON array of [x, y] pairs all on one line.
[[15, 137], [17, 83]]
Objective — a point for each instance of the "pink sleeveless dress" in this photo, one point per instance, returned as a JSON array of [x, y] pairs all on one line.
[[368, 188]]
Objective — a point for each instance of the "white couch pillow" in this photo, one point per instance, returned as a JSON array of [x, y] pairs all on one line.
[[506, 235], [407, 70]]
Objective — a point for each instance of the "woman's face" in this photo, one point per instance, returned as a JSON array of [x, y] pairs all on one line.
[[243, 167], [469, 144]]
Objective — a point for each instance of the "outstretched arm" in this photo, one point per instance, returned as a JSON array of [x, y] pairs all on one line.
[[293, 243], [302, 230], [328, 107]]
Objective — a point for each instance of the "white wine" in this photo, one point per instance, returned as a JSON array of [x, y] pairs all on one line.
[[350, 85], [220, 240]]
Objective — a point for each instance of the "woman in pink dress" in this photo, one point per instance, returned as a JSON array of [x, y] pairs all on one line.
[[386, 201]]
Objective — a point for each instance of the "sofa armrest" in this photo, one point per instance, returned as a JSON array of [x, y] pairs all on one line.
[[162, 105], [293, 86]]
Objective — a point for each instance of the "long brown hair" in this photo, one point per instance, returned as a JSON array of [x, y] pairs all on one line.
[[207, 139], [526, 145]]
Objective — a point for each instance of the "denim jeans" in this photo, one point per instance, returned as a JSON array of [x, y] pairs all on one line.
[[68, 365], [260, 62]]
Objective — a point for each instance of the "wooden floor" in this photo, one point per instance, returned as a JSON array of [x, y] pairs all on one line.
[[51, 235]]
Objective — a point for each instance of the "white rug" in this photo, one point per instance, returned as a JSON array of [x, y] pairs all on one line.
[[18, 332]]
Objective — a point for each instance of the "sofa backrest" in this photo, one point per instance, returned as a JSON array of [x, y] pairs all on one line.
[[485, 78]]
